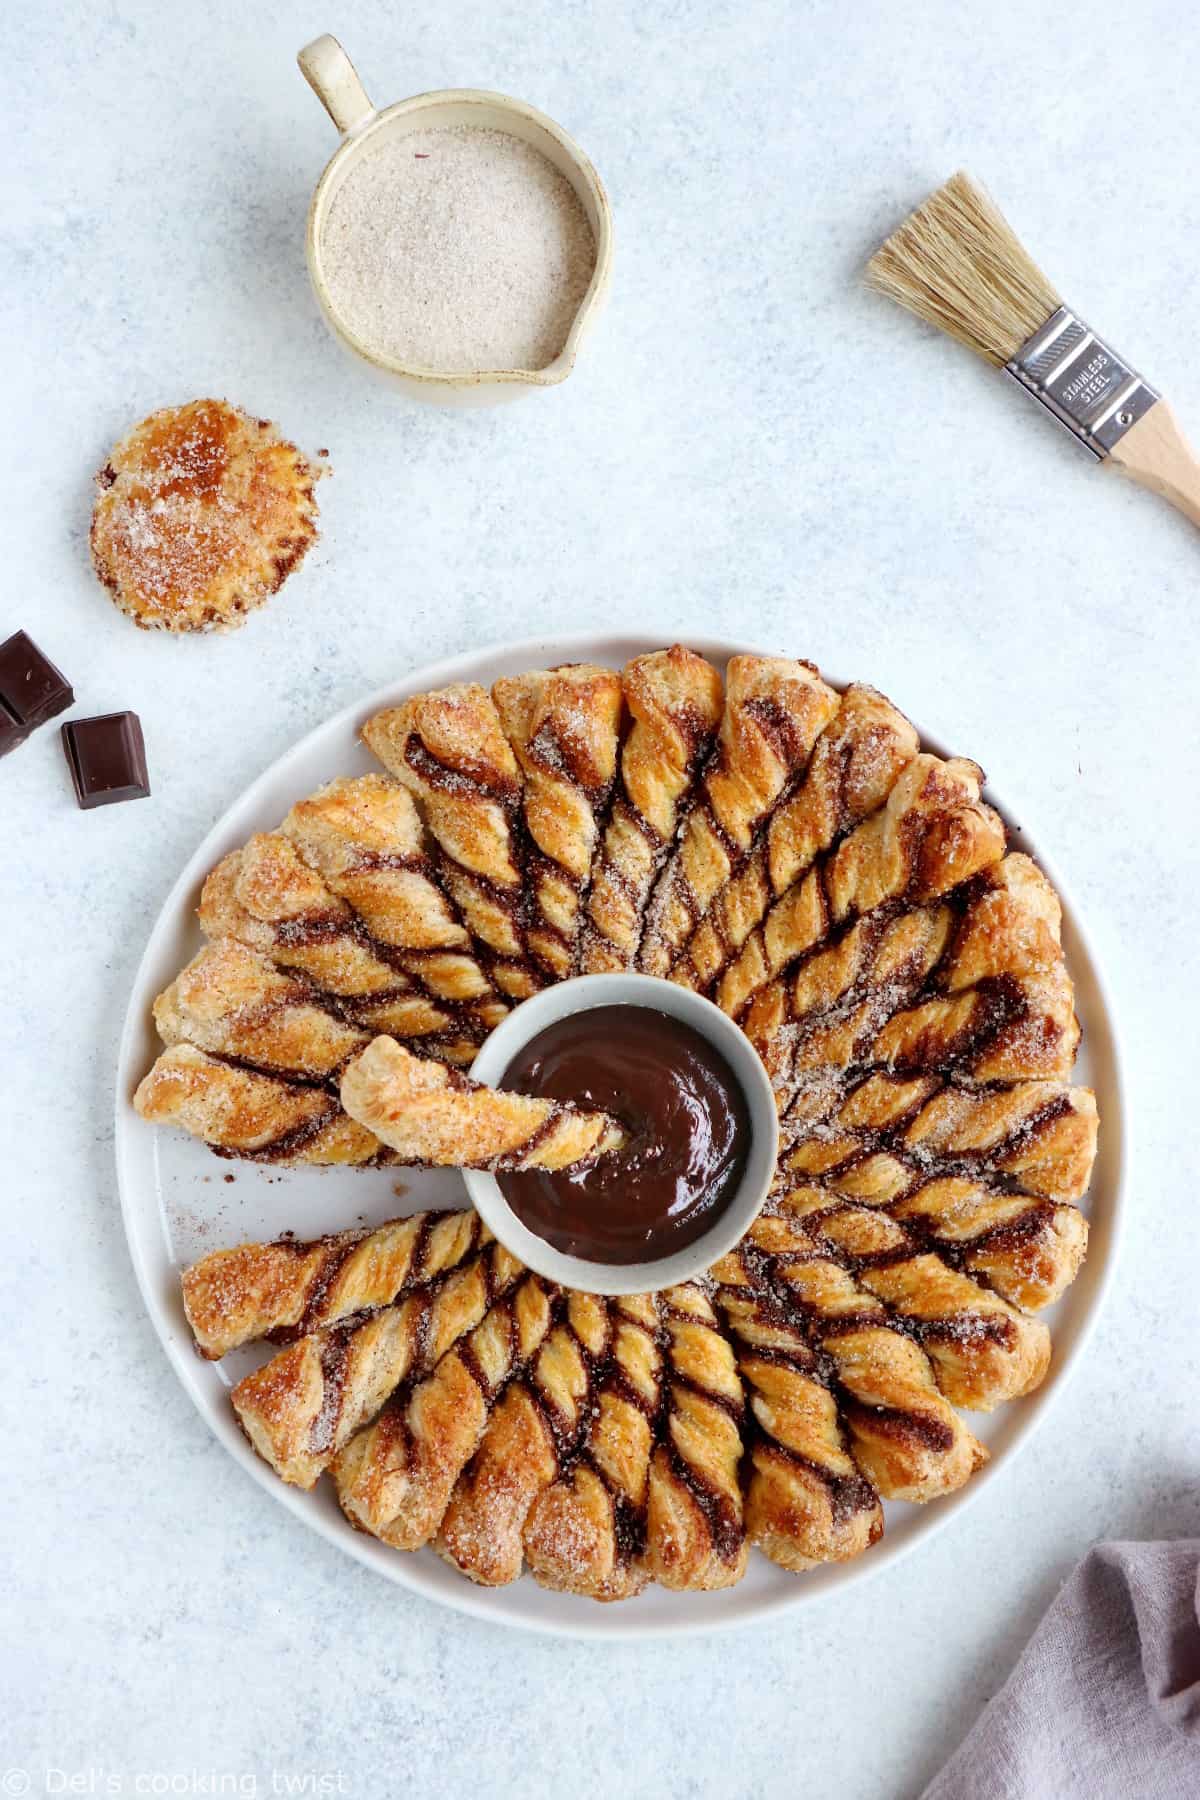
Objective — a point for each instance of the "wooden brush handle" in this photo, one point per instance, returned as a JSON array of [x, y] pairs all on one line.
[[1156, 455]]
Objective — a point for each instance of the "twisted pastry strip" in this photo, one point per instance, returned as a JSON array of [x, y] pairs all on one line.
[[364, 838], [807, 1502], [852, 770], [932, 834], [695, 1530], [267, 897], [430, 1114], [564, 726], [529, 1440], [449, 749], [906, 1437], [324, 942], [1003, 1006], [981, 1175], [232, 1002], [234, 1296], [819, 1022], [300, 1408], [775, 709], [583, 1533], [987, 995], [344, 892], [1041, 1134], [674, 699], [239, 1112], [394, 1479], [1028, 1249], [982, 1349]]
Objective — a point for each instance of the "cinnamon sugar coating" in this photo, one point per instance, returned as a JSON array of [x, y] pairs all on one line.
[[201, 514]]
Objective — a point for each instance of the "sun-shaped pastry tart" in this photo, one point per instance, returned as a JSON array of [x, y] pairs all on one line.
[[201, 514], [852, 901]]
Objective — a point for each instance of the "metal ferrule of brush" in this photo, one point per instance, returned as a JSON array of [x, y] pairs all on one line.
[[1081, 381]]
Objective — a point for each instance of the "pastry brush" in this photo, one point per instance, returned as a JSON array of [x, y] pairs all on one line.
[[957, 262]]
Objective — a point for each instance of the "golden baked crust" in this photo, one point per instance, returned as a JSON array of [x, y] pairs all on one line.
[[266, 896], [299, 1408], [233, 1002], [823, 1019], [1003, 1005], [807, 1500], [582, 1532], [450, 751], [775, 709], [240, 1112], [433, 1115], [345, 893], [530, 1437], [983, 1350], [286, 1289], [695, 1528], [932, 833], [366, 840], [395, 1478], [853, 767], [982, 1176], [201, 514], [564, 727], [850, 901], [906, 1437], [674, 701]]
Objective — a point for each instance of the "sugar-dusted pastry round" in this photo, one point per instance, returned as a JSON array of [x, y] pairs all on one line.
[[202, 514]]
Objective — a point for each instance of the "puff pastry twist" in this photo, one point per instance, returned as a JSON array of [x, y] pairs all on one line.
[[564, 726], [853, 767], [241, 1112], [430, 1114], [285, 1288], [449, 749], [674, 700], [932, 833], [346, 893], [530, 1439], [299, 1408], [905, 1436], [695, 1528], [775, 709], [395, 1478], [584, 1532], [807, 1501], [982, 1176]]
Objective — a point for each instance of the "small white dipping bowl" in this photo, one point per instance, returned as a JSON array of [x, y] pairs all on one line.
[[582, 995]]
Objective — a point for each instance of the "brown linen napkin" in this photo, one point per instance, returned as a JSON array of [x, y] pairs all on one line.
[[1105, 1701]]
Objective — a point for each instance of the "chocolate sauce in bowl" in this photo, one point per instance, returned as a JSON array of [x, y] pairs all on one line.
[[688, 1128]]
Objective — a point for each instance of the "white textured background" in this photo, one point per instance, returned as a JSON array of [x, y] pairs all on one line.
[[751, 446]]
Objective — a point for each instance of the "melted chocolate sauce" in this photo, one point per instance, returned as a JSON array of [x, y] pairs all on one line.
[[688, 1131]]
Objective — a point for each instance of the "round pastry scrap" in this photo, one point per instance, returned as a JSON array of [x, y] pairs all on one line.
[[202, 514], [855, 904]]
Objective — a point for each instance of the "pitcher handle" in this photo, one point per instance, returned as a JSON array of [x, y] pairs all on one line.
[[334, 80]]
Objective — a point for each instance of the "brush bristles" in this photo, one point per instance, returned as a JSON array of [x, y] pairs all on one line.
[[957, 262]]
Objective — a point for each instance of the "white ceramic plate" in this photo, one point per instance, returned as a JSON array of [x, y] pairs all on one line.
[[179, 1201]]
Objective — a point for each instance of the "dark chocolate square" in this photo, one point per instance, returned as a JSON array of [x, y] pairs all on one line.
[[31, 688], [107, 759]]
